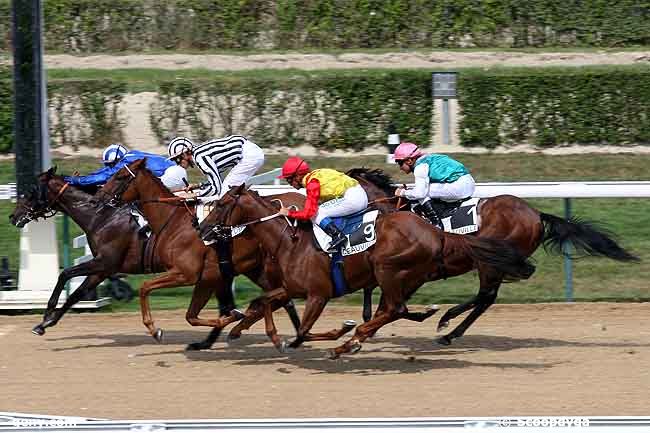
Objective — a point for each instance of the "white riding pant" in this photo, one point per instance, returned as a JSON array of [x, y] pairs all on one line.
[[354, 200], [463, 187], [252, 160]]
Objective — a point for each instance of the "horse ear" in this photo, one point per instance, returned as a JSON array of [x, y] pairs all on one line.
[[139, 163], [52, 171]]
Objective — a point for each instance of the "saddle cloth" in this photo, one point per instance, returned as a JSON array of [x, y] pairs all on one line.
[[359, 229], [463, 219]]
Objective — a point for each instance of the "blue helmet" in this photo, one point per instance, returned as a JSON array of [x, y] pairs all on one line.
[[113, 153]]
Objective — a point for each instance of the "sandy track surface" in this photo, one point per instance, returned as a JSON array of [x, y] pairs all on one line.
[[545, 359], [433, 59]]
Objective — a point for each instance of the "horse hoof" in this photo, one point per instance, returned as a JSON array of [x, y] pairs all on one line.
[[197, 346], [348, 326], [38, 330], [355, 347], [283, 347], [331, 354], [433, 309], [442, 325], [444, 340], [237, 314], [158, 335]]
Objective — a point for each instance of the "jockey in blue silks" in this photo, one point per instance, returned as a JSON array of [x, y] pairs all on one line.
[[117, 156]]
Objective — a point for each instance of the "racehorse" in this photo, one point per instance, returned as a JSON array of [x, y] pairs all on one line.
[[183, 254], [508, 218], [408, 252], [113, 238]]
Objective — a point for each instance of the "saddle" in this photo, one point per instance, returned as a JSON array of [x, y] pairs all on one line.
[[359, 228]]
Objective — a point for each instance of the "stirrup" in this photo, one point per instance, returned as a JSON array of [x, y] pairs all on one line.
[[335, 244]]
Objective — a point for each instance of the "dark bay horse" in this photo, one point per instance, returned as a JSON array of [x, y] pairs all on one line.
[[113, 238], [184, 256], [508, 218], [408, 252]]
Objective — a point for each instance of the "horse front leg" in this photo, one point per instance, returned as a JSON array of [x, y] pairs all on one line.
[[353, 345], [367, 303], [313, 309], [51, 316], [168, 279], [279, 298], [200, 297]]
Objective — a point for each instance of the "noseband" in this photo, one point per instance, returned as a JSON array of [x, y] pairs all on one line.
[[47, 211]]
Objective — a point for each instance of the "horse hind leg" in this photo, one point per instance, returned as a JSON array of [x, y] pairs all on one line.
[[490, 283], [421, 316], [456, 311]]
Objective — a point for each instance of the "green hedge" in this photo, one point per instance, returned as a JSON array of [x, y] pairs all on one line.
[[323, 111], [550, 108], [115, 25], [80, 113], [353, 109]]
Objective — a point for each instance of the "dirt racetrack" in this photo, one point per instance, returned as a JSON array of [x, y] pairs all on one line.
[[544, 359]]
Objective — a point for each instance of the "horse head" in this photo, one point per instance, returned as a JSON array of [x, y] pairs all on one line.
[[39, 202], [123, 186]]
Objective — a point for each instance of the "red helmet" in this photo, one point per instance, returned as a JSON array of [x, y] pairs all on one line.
[[294, 166]]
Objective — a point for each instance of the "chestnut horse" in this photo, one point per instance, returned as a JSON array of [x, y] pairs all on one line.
[[113, 238], [508, 218], [184, 256], [408, 252]]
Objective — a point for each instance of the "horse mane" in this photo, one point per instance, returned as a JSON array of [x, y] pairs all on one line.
[[155, 178], [374, 176]]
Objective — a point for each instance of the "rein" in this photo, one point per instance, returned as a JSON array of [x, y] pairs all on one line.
[[47, 212], [399, 205]]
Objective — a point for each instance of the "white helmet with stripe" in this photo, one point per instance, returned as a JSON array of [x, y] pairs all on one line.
[[178, 146], [114, 153]]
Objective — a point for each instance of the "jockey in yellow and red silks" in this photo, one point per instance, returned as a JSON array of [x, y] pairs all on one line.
[[330, 193]]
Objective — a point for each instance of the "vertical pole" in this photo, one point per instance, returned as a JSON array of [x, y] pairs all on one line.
[[31, 135], [66, 250], [568, 266], [445, 121]]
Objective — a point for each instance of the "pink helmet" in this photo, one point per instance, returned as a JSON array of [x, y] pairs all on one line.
[[407, 150]]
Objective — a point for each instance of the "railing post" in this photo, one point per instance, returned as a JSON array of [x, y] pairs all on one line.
[[66, 250], [568, 265]]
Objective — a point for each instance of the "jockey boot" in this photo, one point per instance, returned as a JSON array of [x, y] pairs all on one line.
[[144, 230], [338, 238], [430, 213]]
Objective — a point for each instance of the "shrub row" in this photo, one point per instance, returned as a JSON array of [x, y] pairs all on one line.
[[353, 110], [115, 25]]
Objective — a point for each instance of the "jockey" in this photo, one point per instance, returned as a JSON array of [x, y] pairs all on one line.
[[117, 156], [329, 194], [436, 176], [214, 157]]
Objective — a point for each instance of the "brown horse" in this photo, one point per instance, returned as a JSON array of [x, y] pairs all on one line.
[[508, 218], [408, 252], [184, 256], [113, 238]]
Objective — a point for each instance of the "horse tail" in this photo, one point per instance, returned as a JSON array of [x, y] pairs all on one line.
[[586, 237], [498, 254]]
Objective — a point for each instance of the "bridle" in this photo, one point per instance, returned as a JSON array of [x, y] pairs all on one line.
[[43, 211], [224, 231], [116, 200]]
